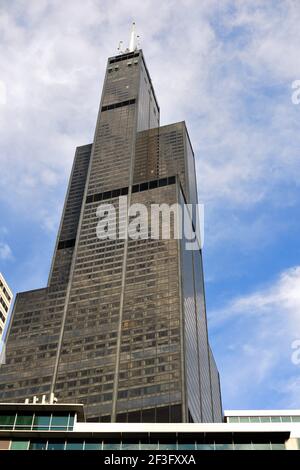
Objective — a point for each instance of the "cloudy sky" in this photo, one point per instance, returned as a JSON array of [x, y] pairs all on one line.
[[226, 68]]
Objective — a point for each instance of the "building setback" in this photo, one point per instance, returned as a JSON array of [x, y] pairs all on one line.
[[121, 326]]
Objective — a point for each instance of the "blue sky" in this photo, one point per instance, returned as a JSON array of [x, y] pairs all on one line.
[[226, 68]]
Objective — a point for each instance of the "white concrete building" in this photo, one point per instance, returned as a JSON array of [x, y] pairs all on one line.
[[6, 296]]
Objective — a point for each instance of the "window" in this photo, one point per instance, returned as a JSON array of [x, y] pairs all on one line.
[[112, 444], [186, 446], [56, 445], [6, 294], [3, 304], [201, 446], [41, 422], [24, 421], [254, 419], [59, 423], [93, 446], [259, 446], [38, 445], [4, 445], [167, 446], [265, 419], [228, 446], [146, 446], [7, 421], [74, 445], [130, 444], [242, 446], [275, 419], [244, 419], [278, 446], [19, 445]]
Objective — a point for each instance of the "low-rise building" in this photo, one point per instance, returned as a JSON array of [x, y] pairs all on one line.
[[5, 302], [63, 427]]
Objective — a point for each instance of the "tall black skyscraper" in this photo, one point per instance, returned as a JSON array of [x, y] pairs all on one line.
[[121, 325]]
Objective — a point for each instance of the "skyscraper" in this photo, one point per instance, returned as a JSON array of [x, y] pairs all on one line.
[[121, 326], [5, 301]]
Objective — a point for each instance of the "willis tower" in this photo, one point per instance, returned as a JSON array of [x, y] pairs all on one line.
[[121, 325]]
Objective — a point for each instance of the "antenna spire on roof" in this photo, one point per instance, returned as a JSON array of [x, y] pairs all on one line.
[[133, 39], [134, 43]]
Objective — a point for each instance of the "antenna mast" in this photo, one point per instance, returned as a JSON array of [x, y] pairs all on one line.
[[134, 41]]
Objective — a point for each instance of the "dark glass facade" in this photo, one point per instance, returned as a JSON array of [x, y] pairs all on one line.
[[121, 326]]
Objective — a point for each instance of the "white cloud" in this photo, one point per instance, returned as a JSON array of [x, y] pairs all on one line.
[[281, 298], [3, 98], [5, 251], [289, 389], [53, 57], [260, 328]]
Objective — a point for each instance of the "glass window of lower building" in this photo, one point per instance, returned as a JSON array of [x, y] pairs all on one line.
[[41, 422], [56, 445], [151, 443], [37, 421], [19, 445], [263, 419], [7, 421]]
